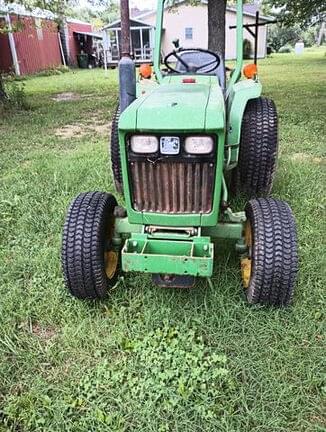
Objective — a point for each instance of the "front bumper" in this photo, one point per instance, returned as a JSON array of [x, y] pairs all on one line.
[[193, 257]]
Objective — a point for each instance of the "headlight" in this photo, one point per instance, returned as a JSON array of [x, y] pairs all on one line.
[[144, 144], [199, 145]]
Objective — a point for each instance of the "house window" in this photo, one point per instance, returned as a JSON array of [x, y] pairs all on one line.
[[188, 33]]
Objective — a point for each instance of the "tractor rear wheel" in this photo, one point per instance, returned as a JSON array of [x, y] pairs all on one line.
[[258, 149], [270, 268], [114, 150], [90, 263]]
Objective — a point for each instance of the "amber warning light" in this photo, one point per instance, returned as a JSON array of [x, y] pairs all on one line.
[[145, 71], [250, 71]]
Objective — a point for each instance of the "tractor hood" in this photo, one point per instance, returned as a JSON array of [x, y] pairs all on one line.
[[177, 106]]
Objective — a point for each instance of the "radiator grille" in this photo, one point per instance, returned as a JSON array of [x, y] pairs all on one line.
[[172, 187]]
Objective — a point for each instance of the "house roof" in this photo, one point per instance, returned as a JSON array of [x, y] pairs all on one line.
[[91, 34], [133, 23], [248, 10]]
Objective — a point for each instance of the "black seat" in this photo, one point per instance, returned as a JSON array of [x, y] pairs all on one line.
[[197, 58]]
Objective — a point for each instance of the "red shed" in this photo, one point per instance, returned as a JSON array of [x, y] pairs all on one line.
[[35, 43], [79, 37]]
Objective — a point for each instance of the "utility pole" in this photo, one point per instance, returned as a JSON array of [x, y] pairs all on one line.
[[125, 28], [127, 70]]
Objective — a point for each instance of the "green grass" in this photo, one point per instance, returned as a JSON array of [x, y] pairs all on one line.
[[148, 359]]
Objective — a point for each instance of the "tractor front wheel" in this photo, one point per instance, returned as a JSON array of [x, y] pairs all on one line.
[[270, 268], [90, 262]]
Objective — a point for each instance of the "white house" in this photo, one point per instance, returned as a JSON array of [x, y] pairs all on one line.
[[187, 23]]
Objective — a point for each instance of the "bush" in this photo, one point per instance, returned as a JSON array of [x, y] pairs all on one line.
[[44, 73], [52, 71], [247, 49], [285, 49], [15, 96]]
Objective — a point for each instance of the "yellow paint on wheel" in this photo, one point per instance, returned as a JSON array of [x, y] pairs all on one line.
[[246, 271], [111, 263], [248, 234], [246, 263]]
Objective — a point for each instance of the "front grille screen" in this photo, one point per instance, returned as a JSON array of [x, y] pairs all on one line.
[[172, 187]]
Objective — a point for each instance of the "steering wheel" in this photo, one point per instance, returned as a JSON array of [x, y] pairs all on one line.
[[190, 68]]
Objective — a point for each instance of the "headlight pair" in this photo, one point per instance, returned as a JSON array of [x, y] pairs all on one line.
[[146, 144]]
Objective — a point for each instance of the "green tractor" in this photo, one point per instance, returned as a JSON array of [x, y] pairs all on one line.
[[179, 143]]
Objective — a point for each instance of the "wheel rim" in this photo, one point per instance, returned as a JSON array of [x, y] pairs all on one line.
[[111, 260], [246, 263], [111, 257]]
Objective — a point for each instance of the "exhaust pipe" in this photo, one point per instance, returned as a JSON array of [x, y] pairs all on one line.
[[127, 70]]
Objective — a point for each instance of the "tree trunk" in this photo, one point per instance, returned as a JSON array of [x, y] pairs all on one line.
[[216, 26], [322, 33]]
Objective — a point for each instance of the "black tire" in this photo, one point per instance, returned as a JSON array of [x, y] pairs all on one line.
[[115, 152], [86, 238], [273, 252], [255, 172]]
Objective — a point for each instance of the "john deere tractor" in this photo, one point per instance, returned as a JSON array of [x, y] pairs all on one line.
[[181, 139]]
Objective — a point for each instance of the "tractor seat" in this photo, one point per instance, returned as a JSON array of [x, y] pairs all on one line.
[[198, 58]]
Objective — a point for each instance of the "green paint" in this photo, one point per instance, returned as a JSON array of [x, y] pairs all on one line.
[[236, 75], [158, 39], [194, 257], [240, 94], [123, 226], [170, 106], [225, 230]]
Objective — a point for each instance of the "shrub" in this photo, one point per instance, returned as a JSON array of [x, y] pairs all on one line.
[[285, 49], [15, 95], [247, 49], [53, 71]]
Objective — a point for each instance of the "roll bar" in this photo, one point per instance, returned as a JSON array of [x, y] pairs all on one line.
[[158, 42]]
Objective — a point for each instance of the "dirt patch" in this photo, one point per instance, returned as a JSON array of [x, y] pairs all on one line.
[[305, 157], [93, 125], [44, 333], [70, 131], [67, 96]]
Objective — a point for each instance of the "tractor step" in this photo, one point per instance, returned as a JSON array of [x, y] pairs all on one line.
[[193, 257]]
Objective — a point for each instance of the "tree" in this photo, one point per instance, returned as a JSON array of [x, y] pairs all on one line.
[[216, 23], [279, 36], [301, 12], [216, 26]]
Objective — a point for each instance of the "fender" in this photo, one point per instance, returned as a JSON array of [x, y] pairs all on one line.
[[239, 96]]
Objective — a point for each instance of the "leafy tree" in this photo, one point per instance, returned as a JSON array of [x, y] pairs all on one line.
[[280, 35], [300, 12]]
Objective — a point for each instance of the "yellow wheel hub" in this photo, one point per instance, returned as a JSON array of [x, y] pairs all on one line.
[[246, 263], [111, 263]]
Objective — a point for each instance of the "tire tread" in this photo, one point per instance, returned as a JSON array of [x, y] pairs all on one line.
[[83, 244], [258, 148], [274, 252]]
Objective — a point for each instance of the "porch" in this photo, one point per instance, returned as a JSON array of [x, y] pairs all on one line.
[[142, 42]]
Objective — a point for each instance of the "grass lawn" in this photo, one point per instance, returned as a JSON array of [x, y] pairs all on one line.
[[148, 359]]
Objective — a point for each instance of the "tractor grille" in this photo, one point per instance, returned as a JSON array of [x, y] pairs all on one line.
[[172, 187]]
